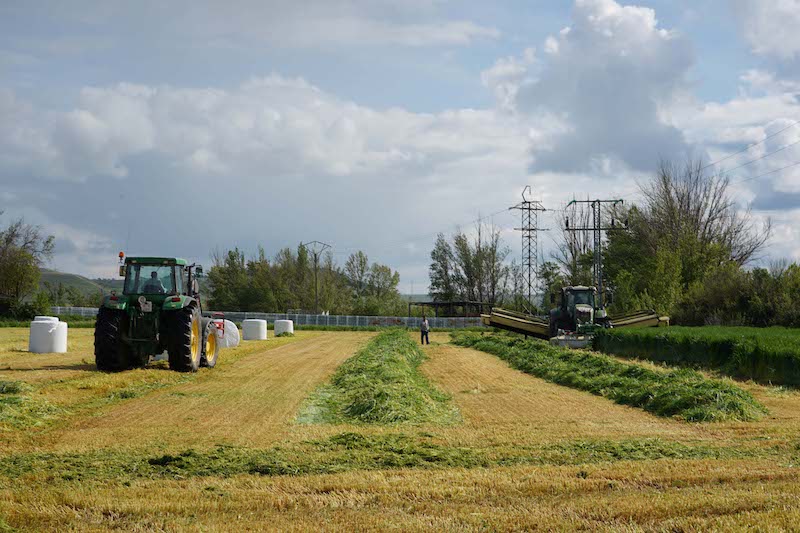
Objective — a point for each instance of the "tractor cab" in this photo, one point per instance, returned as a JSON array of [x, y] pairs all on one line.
[[159, 276], [576, 312], [580, 304]]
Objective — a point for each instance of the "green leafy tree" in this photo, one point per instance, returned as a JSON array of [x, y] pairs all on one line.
[[23, 251], [470, 268], [442, 272]]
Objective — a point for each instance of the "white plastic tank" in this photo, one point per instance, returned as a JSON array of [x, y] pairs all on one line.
[[284, 326], [231, 337], [48, 336], [254, 329]]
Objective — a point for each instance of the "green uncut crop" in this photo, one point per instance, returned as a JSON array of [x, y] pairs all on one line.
[[683, 393], [381, 384], [766, 355]]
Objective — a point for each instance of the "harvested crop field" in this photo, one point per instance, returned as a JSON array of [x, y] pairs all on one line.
[[223, 449]]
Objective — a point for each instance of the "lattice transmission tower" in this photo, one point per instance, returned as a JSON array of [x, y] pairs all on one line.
[[529, 213]]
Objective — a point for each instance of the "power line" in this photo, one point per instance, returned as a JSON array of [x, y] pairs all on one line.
[[781, 149], [746, 148], [767, 173]]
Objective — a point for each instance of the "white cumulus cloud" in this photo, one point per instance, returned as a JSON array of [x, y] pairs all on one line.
[[606, 79], [770, 26]]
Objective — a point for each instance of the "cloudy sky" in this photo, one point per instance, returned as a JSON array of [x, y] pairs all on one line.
[[181, 127]]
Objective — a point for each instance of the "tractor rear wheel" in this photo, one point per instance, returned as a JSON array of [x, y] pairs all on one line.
[[110, 352], [210, 344], [185, 339]]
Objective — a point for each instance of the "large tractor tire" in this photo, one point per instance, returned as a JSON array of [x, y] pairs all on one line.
[[110, 352], [185, 339], [210, 344]]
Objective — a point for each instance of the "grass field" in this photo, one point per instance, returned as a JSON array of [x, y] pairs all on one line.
[[223, 449], [768, 355]]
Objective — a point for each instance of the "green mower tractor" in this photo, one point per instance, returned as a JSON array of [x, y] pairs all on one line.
[[577, 312], [159, 310]]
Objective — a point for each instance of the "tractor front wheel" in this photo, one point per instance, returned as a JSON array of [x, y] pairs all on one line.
[[185, 339], [110, 352]]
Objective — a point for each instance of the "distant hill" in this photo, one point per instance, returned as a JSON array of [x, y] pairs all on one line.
[[84, 285], [109, 285], [91, 287]]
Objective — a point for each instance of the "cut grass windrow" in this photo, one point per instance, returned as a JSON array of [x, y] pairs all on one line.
[[20, 409], [342, 453], [767, 355], [683, 393], [381, 384]]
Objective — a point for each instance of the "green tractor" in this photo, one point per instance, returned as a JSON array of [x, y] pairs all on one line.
[[159, 310], [577, 312]]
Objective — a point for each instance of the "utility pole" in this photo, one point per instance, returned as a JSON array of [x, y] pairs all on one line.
[[316, 248], [597, 229], [529, 212]]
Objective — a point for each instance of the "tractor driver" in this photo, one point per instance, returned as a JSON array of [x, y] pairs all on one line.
[[154, 285]]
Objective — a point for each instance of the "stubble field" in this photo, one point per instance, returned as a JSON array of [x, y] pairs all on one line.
[[223, 449]]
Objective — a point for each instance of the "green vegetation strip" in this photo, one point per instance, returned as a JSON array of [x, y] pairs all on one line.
[[345, 452], [682, 393], [21, 408], [767, 355], [381, 384]]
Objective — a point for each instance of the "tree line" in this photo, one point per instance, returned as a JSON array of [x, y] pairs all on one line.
[[286, 282], [686, 250]]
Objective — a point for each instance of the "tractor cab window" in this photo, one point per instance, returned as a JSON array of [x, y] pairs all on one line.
[[584, 297], [150, 279]]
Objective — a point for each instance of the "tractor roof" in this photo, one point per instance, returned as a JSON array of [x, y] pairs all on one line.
[[156, 261], [579, 288]]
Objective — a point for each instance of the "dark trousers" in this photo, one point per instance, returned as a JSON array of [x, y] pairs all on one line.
[[423, 337]]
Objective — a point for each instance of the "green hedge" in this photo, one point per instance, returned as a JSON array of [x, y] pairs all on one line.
[[682, 393], [766, 355]]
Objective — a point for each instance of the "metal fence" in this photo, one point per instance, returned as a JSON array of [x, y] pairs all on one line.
[[318, 320]]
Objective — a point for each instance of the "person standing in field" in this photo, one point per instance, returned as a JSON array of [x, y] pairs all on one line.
[[423, 331]]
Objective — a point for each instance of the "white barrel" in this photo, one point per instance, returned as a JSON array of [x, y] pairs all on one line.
[[231, 338], [60, 341], [45, 318], [284, 326], [47, 336], [254, 330]]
